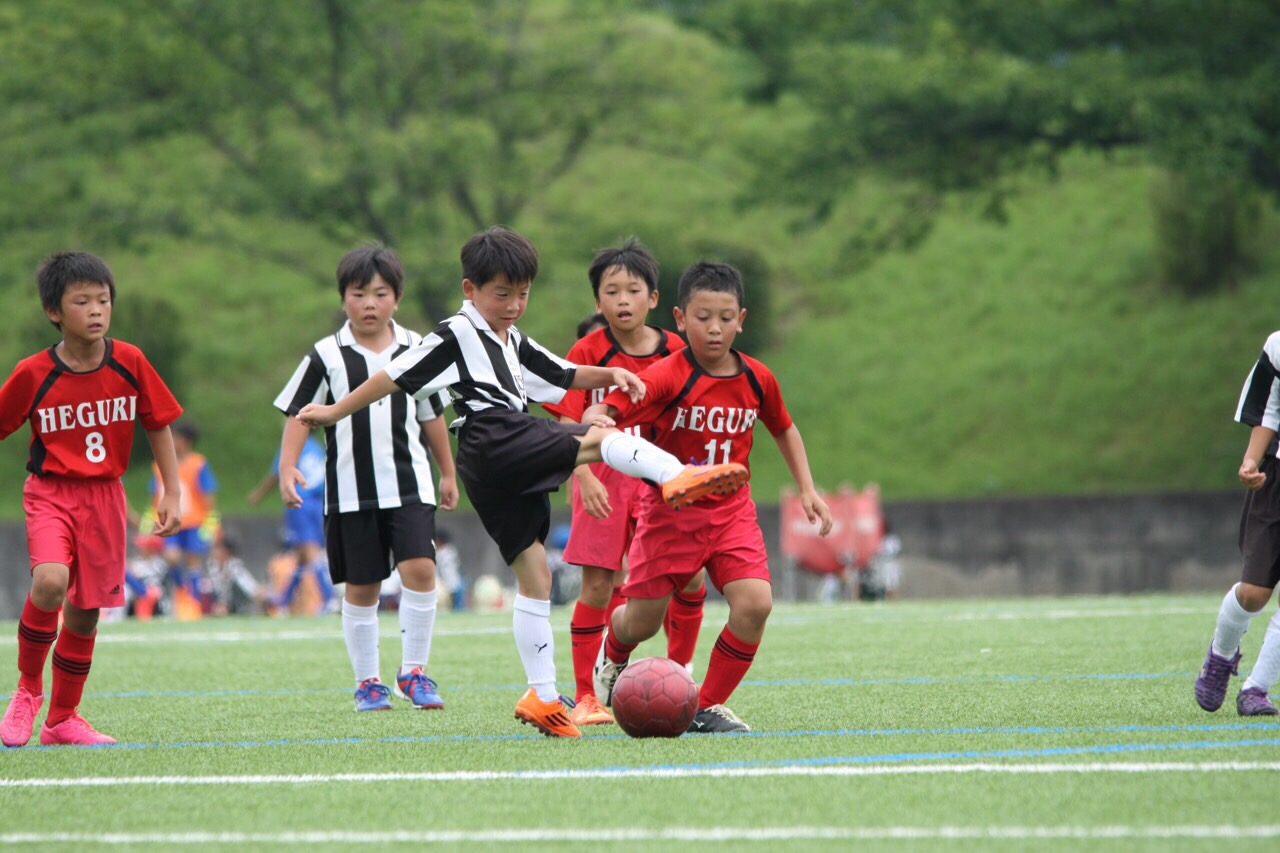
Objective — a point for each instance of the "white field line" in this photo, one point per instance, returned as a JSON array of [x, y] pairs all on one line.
[[722, 833], [783, 620], [652, 772]]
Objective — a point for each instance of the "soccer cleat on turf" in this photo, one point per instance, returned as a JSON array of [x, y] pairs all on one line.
[[716, 720], [73, 730], [415, 686], [698, 481], [605, 674], [550, 718], [1211, 685], [373, 695], [1253, 702], [20, 717], [589, 712]]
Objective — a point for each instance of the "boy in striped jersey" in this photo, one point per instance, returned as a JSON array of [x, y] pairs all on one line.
[[380, 501], [702, 402], [82, 398], [510, 460], [624, 281], [1259, 407]]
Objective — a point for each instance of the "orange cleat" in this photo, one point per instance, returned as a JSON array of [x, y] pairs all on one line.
[[549, 718], [589, 712], [698, 481]]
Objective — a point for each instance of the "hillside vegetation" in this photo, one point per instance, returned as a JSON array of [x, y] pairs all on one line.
[[1040, 356]]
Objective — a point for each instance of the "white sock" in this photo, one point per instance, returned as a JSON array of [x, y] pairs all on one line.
[[1267, 669], [360, 629], [417, 619], [638, 458], [1233, 621], [537, 647]]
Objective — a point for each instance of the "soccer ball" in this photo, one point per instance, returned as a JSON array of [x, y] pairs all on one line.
[[654, 697]]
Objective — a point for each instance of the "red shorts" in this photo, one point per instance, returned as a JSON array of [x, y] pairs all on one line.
[[669, 546], [80, 524], [603, 542]]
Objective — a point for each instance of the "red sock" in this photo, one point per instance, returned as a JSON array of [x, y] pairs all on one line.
[[71, 659], [730, 660], [585, 630], [617, 652], [37, 629], [615, 601], [683, 621]]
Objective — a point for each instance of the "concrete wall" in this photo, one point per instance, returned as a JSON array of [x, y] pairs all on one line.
[[988, 547]]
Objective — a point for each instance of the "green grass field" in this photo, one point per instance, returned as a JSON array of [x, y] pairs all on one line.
[[957, 725]]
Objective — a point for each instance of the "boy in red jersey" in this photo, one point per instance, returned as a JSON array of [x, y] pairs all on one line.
[[702, 403], [82, 397], [625, 283]]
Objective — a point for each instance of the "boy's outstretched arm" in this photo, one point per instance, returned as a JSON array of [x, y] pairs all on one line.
[[1259, 439], [168, 513], [589, 376], [370, 391], [792, 448]]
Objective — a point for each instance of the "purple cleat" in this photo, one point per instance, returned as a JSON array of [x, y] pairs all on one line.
[[1211, 685], [1253, 702]]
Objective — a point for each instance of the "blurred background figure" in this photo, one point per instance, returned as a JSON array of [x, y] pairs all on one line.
[[449, 570]]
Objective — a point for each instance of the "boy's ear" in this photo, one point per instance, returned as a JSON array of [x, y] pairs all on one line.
[[653, 299], [742, 317], [679, 315]]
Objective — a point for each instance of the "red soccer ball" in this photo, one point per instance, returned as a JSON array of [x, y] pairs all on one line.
[[654, 697]]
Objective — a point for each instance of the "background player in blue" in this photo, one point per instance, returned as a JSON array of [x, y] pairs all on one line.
[[304, 525]]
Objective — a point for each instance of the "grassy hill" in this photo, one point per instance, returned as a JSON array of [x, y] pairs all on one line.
[[1042, 356]]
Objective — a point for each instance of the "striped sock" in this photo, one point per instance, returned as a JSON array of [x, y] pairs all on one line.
[[37, 630], [72, 656], [586, 627], [684, 621], [730, 660]]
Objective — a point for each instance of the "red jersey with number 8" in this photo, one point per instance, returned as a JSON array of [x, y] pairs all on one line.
[[703, 419], [82, 423]]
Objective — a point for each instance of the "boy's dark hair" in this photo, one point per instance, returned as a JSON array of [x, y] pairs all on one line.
[[499, 251], [704, 275], [632, 256], [358, 267], [62, 269], [589, 322], [186, 429]]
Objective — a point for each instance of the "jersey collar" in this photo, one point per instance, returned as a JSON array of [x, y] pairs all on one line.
[[347, 338]]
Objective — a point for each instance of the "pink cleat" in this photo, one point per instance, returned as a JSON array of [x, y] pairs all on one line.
[[73, 730], [15, 728]]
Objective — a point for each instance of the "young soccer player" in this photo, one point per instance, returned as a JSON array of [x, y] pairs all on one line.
[[187, 552], [1259, 407], [82, 398], [702, 403], [624, 281], [380, 501], [510, 460]]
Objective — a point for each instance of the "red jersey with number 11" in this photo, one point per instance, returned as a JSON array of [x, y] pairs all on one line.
[[82, 423], [703, 419]]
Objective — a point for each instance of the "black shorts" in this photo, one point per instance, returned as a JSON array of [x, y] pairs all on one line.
[[362, 545], [509, 462], [1260, 529]]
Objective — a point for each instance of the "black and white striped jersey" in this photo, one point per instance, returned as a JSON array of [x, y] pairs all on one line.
[[466, 356], [1260, 398], [377, 458]]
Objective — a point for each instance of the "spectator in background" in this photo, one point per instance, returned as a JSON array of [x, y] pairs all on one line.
[[449, 569], [235, 589], [188, 549], [303, 525]]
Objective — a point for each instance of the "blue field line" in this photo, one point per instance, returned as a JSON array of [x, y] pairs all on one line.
[[781, 682], [981, 730]]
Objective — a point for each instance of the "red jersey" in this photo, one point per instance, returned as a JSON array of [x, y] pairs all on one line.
[[82, 423], [704, 419], [601, 349]]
